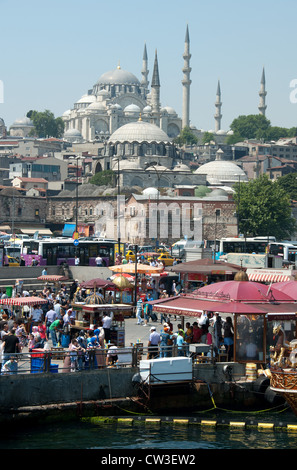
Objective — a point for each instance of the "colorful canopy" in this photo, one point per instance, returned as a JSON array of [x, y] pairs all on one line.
[[289, 288], [141, 268], [241, 291], [94, 283], [127, 276], [21, 301], [205, 266], [52, 277]]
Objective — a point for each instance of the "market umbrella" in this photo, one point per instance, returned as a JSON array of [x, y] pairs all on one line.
[[243, 291], [287, 287], [123, 282], [94, 283], [127, 276], [21, 301], [141, 268], [52, 277], [205, 266]]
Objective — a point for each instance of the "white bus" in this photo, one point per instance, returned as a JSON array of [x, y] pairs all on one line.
[[258, 245]]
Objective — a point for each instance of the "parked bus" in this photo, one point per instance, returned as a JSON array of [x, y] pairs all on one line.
[[54, 252], [257, 245]]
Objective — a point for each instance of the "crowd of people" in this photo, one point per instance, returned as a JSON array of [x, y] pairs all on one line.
[[48, 324], [51, 320], [210, 329]]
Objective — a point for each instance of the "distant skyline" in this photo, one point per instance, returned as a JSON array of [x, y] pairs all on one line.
[[53, 52]]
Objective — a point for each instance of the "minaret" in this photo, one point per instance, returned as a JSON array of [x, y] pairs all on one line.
[[218, 105], [155, 87], [262, 93], [186, 82], [145, 71]]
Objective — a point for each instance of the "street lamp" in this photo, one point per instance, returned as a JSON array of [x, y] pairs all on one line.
[[159, 174], [118, 205], [217, 213]]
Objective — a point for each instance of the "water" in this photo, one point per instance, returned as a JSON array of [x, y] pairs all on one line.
[[141, 436]]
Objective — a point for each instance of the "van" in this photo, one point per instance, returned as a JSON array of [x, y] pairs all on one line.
[[178, 249]]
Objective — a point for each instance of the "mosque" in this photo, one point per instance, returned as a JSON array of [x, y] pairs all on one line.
[[137, 132]]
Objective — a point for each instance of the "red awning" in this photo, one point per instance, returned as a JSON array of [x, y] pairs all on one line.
[[194, 307], [23, 301], [52, 277]]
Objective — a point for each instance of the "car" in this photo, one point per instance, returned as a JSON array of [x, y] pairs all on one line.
[[130, 255], [11, 261], [167, 259]]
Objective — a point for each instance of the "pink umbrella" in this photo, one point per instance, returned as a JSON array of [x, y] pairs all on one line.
[[242, 291], [287, 287]]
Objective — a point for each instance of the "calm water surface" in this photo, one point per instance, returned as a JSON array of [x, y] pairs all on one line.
[[86, 435]]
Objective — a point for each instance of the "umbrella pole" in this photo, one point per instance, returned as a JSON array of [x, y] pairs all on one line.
[[135, 251]]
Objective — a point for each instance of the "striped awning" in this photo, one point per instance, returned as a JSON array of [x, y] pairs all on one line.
[[266, 275], [52, 277], [23, 301]]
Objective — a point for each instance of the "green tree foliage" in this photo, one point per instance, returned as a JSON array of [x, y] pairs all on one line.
[[263, 208], [186, 137], [289, 184], [257, 126], [208, 137], [103, 178], [45, 124]]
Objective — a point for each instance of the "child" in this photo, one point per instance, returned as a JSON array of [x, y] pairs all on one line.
[[31, 343]]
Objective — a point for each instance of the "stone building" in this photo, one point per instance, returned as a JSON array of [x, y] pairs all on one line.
[[19, 211], [150, 217]]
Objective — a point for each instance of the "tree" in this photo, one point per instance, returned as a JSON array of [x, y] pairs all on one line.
[[208, 137], [289, 184], [103, 178], [186, 137], [263, 209], [45, 124], [257, 126], [252, 126]]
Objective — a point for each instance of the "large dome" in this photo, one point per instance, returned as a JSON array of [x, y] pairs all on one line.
[[222, 171], [23, 122], [118, 77], [139, 131]]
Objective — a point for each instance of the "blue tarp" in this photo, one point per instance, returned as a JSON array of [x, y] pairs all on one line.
[[68, 230]]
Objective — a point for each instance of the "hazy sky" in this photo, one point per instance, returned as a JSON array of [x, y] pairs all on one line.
[[53, 51]]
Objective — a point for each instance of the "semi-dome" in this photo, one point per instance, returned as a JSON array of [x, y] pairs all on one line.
[[126, 165], [87, 99], [67, 113], [147, 109], [139, 131], [169, 110], [118, 77], [181, 167], [157, 168], [132, 109], [97, 106]]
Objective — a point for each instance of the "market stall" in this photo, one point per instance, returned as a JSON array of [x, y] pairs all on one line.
[[18, 304], [253, 307]]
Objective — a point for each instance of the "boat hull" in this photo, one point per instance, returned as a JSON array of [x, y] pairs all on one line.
[[284, 383]]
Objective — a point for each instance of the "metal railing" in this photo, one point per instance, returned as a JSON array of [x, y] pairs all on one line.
[[58, 360]]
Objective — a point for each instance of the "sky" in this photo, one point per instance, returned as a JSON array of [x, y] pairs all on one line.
[[53, 52]]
